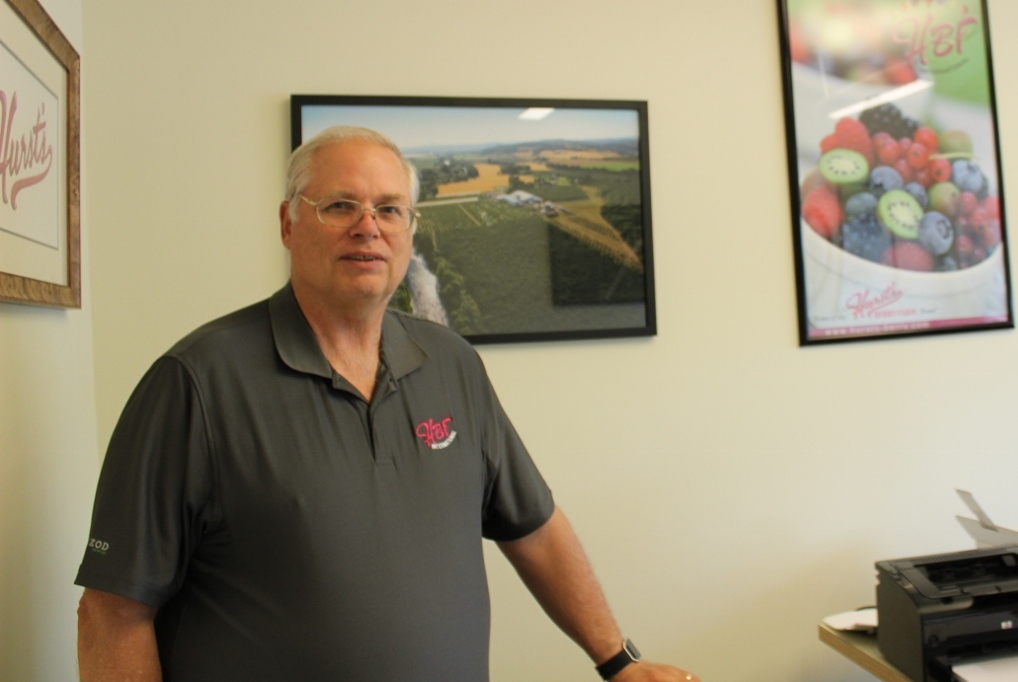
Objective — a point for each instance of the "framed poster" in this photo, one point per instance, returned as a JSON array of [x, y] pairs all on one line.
[[40, 257], [535, 214], [894, 164]]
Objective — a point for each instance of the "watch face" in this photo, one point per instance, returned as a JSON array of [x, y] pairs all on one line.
[[631, 649]]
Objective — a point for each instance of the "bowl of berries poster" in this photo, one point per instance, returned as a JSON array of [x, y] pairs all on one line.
[[894, 161]]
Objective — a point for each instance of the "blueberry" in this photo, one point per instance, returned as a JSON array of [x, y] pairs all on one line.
[[936, 233], [860, 204], [919, 192], [968, 177], [863, 236], [945, 264], [883, 179]]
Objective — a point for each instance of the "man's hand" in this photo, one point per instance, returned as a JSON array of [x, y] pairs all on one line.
[[645, 671], [554, 567]]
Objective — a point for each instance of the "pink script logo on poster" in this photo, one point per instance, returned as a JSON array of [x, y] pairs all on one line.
[[29, 188]]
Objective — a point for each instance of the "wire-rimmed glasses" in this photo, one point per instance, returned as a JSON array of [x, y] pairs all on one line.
[[339, 211]]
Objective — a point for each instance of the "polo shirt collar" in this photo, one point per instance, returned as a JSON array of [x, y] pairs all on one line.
[[401, 353], [298, 348], [294, 339]]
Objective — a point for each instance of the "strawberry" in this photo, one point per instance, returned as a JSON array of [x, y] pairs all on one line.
[[899, 72], [822, 211]]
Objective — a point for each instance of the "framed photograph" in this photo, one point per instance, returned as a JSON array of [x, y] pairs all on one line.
[[40, 256], [535, 214], [894, 168]]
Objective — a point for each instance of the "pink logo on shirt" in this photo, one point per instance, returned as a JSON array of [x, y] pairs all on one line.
[[436, 435]]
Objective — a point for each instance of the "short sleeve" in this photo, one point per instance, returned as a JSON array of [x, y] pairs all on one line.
[[153, 500], [517, 499]]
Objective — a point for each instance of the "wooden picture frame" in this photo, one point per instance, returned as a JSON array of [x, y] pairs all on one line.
[[40, 204]]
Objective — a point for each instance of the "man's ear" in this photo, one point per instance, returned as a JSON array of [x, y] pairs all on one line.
[[285, 224]]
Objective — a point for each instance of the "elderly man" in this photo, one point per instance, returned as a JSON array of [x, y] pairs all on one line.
[[298, 490]]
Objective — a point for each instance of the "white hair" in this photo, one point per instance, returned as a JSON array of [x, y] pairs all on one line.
[[298, 171]]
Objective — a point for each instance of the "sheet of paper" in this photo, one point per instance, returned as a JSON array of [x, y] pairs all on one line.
[[970, 502], [863, 619], [984, 531], [1003, 669]]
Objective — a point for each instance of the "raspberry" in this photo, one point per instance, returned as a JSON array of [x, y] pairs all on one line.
[[967, 202], [851, 134], [908, 256], [880, 137], [822, 211], [991, 205], [989, 233], [963, 244], [904, 169], [978, 217], [924, 177], [888, 149]]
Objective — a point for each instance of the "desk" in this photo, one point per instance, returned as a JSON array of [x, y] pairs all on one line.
[[862, 650]]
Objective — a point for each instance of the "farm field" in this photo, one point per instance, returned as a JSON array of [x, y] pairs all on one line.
[[506, 258], [488, 180], [566, 254]]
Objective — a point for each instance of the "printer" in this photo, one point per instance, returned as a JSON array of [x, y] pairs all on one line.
[[936, 611]]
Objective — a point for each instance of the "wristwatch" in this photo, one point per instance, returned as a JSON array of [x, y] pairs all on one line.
[[614, 665]]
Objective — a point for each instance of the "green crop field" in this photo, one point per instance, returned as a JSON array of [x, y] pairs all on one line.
[[494, 265]]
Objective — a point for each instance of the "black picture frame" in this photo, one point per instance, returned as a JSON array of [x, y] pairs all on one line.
[[933, 260], [536, 213]]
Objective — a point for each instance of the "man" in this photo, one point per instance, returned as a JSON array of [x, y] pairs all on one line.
[[298, 491]]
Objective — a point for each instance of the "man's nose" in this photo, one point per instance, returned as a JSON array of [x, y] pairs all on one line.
[[367, 226]]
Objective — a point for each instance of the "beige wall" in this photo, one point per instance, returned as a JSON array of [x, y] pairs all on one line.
[[732, 489], [48, 462]]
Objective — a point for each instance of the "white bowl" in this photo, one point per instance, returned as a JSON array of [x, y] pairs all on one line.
[[847, 295]]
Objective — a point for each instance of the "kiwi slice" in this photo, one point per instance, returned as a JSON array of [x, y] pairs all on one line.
[[900, 213], [844, 167]]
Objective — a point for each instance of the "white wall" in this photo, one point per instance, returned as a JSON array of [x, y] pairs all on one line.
[[731, 487], [48, 462]]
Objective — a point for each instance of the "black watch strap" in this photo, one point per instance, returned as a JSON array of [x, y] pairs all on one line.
[[614, 665]]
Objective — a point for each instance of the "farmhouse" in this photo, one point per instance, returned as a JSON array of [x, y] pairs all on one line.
[[519, 198]]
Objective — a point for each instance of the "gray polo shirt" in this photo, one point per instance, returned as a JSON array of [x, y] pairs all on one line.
[[289, 530]]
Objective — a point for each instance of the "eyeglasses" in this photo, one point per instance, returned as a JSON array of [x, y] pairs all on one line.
[[338, 211]]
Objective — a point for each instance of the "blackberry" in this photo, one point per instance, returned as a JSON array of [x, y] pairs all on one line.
[[863, 236], [887, 118]]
